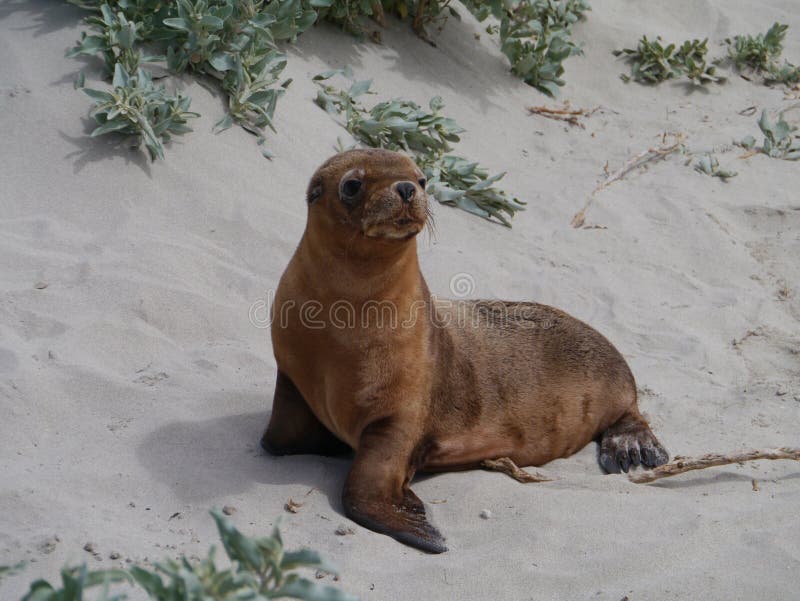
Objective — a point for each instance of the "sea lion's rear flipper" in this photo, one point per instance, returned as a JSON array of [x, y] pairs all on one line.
[[376, 494], [403, 523], [628, 442], [293, 429]]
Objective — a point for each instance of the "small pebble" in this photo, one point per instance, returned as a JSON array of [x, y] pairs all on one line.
[[40, 285], [486, 514], [90, 547], [343, 530], [114, 555], [229, 510]]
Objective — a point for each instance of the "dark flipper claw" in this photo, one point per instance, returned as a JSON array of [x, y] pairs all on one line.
[[623, 459], [635, 457], [630, 442]]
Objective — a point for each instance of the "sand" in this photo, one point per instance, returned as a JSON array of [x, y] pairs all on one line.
[[134, 386]]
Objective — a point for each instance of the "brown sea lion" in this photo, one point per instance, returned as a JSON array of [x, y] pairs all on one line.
[[368, 360]]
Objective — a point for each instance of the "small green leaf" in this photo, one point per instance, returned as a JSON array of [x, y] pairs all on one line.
[[177, 23], [359, 88], [98, 95], [748, 142], [110, 126], [311, 591]]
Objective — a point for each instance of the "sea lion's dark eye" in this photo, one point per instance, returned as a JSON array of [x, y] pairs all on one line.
[[422, 181], [350, 188]]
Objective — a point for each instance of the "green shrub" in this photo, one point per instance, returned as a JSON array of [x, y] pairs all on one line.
[[260, 569], [231, 41], [534, 36], [653, 62], [235, 43], [426, 134], [761, 54]]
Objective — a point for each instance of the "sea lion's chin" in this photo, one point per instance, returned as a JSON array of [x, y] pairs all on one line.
[[398, 229]]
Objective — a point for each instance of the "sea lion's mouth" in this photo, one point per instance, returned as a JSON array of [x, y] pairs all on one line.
[[394, 229]]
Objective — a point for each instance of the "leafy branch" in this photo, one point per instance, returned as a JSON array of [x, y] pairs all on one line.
[[404, 126], [709, 165], [761, 53], [138, 107], [260, 569], [534, 36], [653, 62], [233, 42], [780, 139]]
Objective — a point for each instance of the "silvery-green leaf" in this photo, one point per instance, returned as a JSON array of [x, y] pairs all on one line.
[[222, 61], [110, 126], [177, 23], [311, 591], [98, 95], [121, 77], [359, 88], [306, 558]]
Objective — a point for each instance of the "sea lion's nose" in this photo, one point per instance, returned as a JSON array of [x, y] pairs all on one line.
[[406, 190]]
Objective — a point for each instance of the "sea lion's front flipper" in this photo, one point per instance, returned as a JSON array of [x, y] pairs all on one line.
[[293, 429], [376, 494]]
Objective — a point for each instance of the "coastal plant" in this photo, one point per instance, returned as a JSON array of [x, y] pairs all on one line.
[[258, 568], [653, 61], [535, 36], [138, 107], [780, 139], [235, 45], [232, 42], [349, 14], [427, 135], [761, 54], [709, 165]]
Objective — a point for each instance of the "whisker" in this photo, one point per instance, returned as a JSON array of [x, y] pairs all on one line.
[[430, 225]]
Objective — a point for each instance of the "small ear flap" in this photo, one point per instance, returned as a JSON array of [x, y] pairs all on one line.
[[314, 190]]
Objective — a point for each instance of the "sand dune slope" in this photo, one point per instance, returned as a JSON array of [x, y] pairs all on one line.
[[134, 385]]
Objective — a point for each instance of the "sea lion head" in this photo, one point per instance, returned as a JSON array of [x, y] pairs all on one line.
[[376, 194]]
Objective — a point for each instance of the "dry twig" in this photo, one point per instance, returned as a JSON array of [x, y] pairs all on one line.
[[686, 464], [292, 506], [508, 467], [640, 160], [563, 114]]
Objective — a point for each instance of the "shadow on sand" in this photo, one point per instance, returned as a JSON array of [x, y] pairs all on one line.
[[221, 457]]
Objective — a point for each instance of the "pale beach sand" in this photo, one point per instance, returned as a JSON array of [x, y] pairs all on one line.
[[134, 387]]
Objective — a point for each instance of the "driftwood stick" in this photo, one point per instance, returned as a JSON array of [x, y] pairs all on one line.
[[565, 114], [640, 160], [508, 467], [681, 465]]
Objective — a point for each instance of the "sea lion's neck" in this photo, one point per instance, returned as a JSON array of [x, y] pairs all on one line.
[[363, 270]]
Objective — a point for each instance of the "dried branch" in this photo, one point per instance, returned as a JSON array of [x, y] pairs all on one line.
[[687, 464], [563, 114], [508, 467], [640, 160]]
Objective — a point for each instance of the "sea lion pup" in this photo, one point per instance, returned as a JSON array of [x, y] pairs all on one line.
[[367, 360]]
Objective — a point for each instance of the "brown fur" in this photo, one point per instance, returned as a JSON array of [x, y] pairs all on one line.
[[445, 387]]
